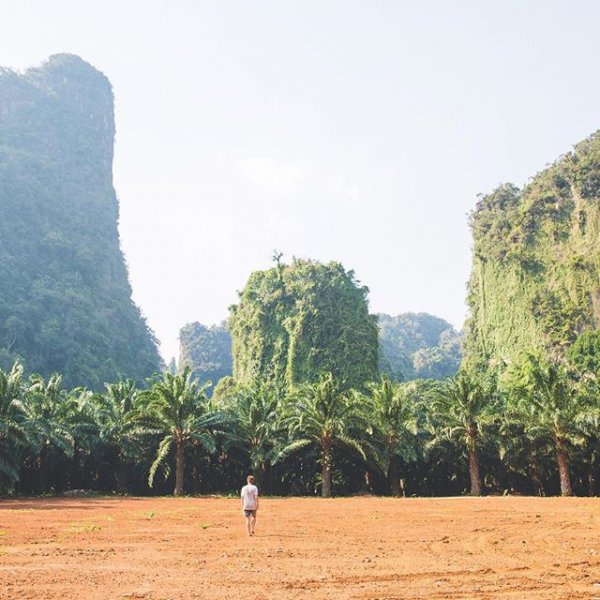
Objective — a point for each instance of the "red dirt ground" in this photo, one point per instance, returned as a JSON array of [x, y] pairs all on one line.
[[376, 548]]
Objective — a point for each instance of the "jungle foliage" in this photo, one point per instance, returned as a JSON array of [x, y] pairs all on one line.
[[207, 351], [534, 430], [65, 298], [536, 262], [418, 346], [296, 321]]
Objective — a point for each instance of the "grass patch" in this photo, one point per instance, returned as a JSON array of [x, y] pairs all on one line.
[[83, 528]]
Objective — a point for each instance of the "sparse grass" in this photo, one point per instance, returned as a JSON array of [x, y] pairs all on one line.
[[83, 528]]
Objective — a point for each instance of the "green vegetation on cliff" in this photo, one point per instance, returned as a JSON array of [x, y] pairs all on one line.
[[206, 350], [418, 346], [65, 298], [536, 262], [294, 322]]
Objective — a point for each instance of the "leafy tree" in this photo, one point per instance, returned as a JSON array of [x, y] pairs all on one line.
[[321, 415], [178, 408], [395, 427], [584, 354], [548, 402], [254, 417], [464, 407], [13, 434], [47, 410], [115, 412]]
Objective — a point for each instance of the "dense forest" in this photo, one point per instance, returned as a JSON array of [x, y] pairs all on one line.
[[533, 432], [65, 298], [207, 351], [418, 346]]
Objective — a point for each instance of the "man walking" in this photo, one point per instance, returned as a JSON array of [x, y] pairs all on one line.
[[250, 503]]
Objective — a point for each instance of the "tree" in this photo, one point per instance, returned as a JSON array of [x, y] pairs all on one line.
[[548, 401], [464, 407], [320, 415], [47, 411], [394, 427], [584, 354], [115, 412], [254, 418], [179, 409], [12, 433]]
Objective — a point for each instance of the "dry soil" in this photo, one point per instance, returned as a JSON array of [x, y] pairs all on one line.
[[191, 548]]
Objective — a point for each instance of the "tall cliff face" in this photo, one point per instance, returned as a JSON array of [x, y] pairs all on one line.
[[65, 298], [207, 350], [535, 281]]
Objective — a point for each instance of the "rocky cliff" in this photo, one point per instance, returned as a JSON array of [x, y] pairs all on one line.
[[65, 298], [535, 281]]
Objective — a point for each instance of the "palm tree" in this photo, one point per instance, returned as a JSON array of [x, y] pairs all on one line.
[[47, 410], [394, 427], [319, 415], [12, 433], [253, 414], [115, 413], [548, 402], [520, 453], [463, 408], [179, 409], [589, 421]]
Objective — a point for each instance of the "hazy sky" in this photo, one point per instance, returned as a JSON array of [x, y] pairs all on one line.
[[336, 130]]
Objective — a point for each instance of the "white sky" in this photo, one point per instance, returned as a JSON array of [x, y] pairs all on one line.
[[354, 131]]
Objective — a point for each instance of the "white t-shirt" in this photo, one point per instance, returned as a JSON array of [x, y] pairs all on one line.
[[250, 497]]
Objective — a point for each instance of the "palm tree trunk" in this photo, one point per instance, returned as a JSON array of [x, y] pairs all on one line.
[[394, 476], [179, 467], [195, 471], [259, 470], [538, 486], [474, 471], [563, 470], [593, 475], [122, 476], [326, 491], [42, 469]]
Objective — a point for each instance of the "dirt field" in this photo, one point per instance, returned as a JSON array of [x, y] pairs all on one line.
[[162, 548]]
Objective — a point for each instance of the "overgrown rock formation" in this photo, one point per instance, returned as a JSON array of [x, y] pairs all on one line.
[[65, 298], [535, 281], [294, 322]]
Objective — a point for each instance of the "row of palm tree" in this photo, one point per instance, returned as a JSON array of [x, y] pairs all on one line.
[[478, 431]]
